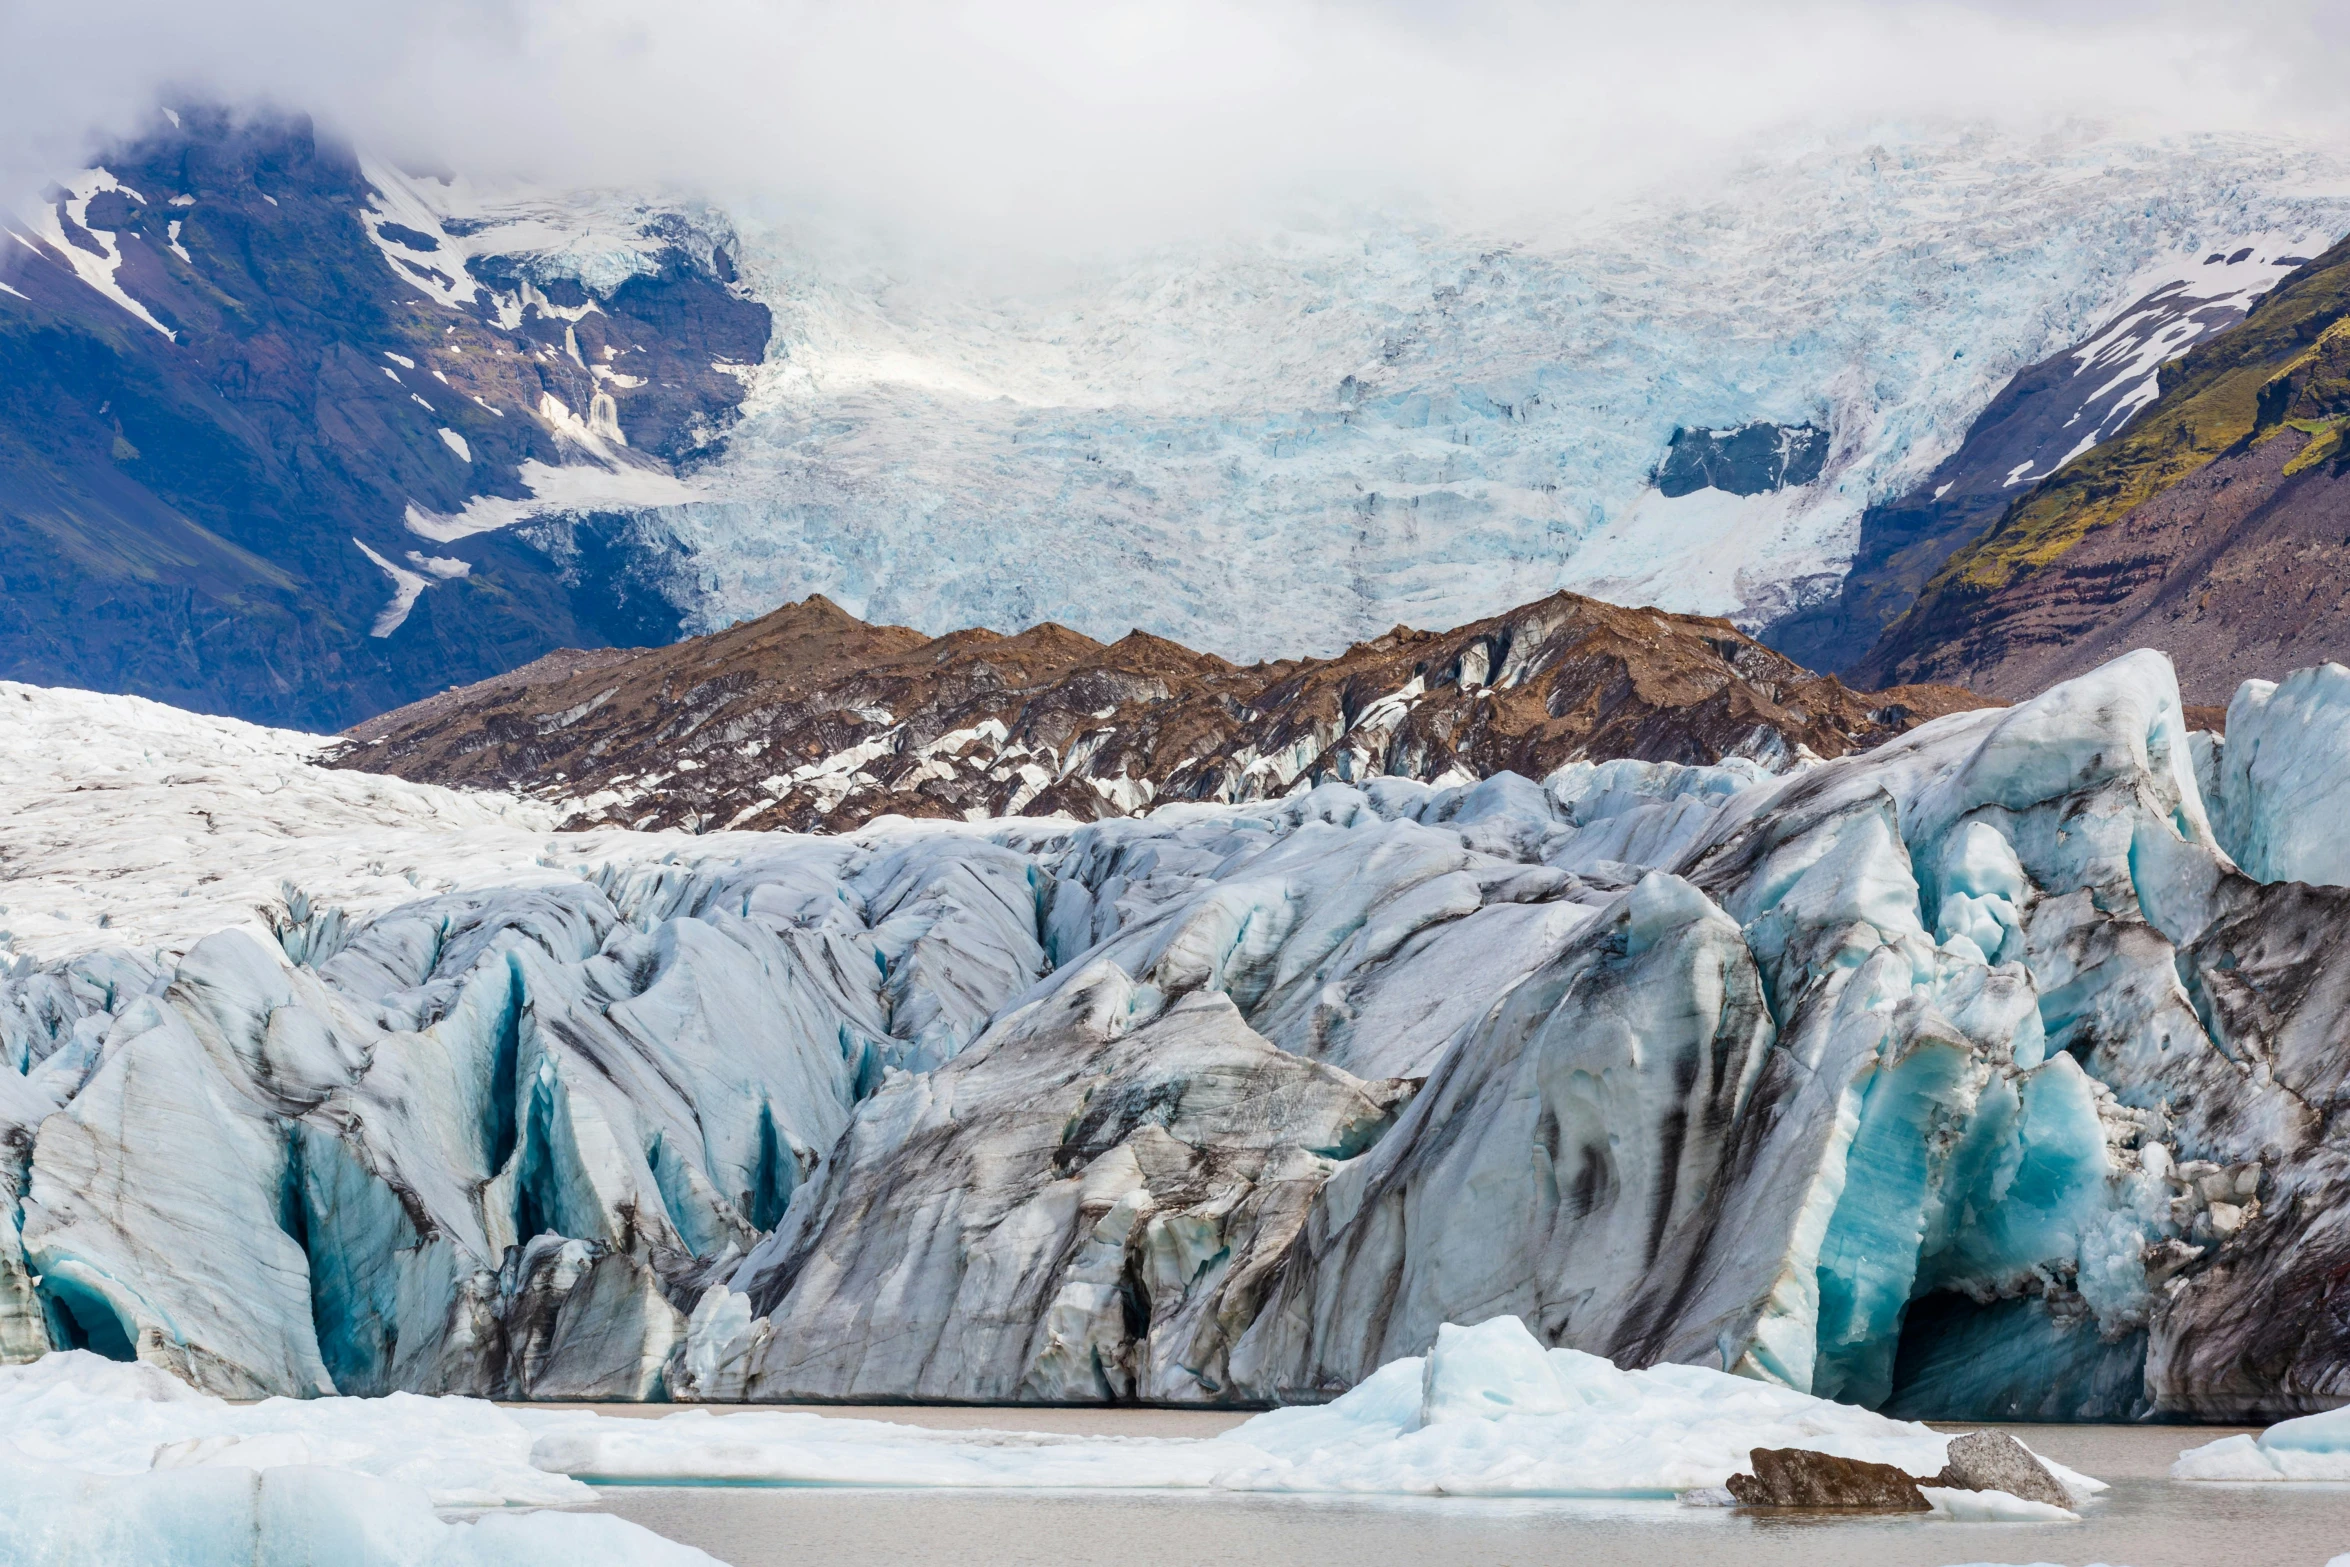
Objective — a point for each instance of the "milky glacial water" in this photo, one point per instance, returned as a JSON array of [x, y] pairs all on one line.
[[2146, 1520]]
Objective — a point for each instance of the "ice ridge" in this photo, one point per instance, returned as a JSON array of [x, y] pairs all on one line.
[[1967, 1076]]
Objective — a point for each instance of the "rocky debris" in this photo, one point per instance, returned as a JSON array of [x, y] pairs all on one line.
[[1994, 1461], [812, 719], [1753, 459], [2210, 528], [1797, 1477], [548, 669]]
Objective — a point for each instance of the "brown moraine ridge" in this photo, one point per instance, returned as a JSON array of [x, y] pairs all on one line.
[[810, 719]]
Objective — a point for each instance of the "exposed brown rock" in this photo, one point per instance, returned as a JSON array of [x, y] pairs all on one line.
[[1798, 1477], [2215, 526], [2240, 571], [559, 665], [1995, 1461], [809, 718]]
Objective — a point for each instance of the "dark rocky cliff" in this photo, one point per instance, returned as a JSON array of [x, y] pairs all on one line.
[[219, 394]]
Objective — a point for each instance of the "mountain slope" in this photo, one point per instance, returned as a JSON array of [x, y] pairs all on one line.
[[808, 717], [2212, 528], [2048, 415], [233, 474], [251, 424]]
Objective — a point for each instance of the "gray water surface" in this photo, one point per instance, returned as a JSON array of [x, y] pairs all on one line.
[[2146, 1520]]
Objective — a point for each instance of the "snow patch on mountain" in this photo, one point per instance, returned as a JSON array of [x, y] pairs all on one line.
[[2178, 302], [598, 239], [432, 230], [571, 490], [99, 261], [406, 586]]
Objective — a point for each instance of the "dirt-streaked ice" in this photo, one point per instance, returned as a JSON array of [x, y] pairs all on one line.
[[1965, 1076]]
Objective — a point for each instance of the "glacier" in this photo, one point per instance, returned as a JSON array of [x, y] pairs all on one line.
[[1981, 1075], [1281, 441]]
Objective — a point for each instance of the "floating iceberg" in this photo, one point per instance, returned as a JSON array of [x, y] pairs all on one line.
[[2314, 1447], [1488, 1412], [103, 1463], [80, 1411], [288, 1516]]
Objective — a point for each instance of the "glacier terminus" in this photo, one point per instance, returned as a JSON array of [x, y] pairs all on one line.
[[1987, 1073]]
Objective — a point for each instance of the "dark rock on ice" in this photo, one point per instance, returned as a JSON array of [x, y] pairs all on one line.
[[1753, 459], [1797, 1477]]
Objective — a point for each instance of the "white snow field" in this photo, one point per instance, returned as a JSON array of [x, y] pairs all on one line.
[[133, 824], [1274, 443], [1965, 1075]]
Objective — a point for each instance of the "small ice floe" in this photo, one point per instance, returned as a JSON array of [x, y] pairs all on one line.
[[2314, 1447]]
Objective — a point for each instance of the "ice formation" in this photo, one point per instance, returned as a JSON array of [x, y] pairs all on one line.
[[2313, 1447], [104, 1463], [1488, 1412], [1159, 441], [2280, 781], [1964, 1077], [76, 1410]]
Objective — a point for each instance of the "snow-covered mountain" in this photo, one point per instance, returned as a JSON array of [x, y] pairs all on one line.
[[1286, 442], [294, 434], [271, 413]]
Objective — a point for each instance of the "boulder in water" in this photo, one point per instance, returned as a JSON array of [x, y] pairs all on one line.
[[1797, 1477]]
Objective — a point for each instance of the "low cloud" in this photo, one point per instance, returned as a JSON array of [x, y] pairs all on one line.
[[1054, 126]]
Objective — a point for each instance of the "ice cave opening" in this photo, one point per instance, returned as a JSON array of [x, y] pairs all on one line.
[[82, 1318], [1962, 1359]]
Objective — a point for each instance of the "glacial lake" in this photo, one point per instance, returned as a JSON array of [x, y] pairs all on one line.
[[2145, 1520]]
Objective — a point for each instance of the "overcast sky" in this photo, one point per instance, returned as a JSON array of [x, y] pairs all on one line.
[[1105, 120]]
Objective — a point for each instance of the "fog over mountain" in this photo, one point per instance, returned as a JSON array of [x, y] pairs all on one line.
[[1045, 127]]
